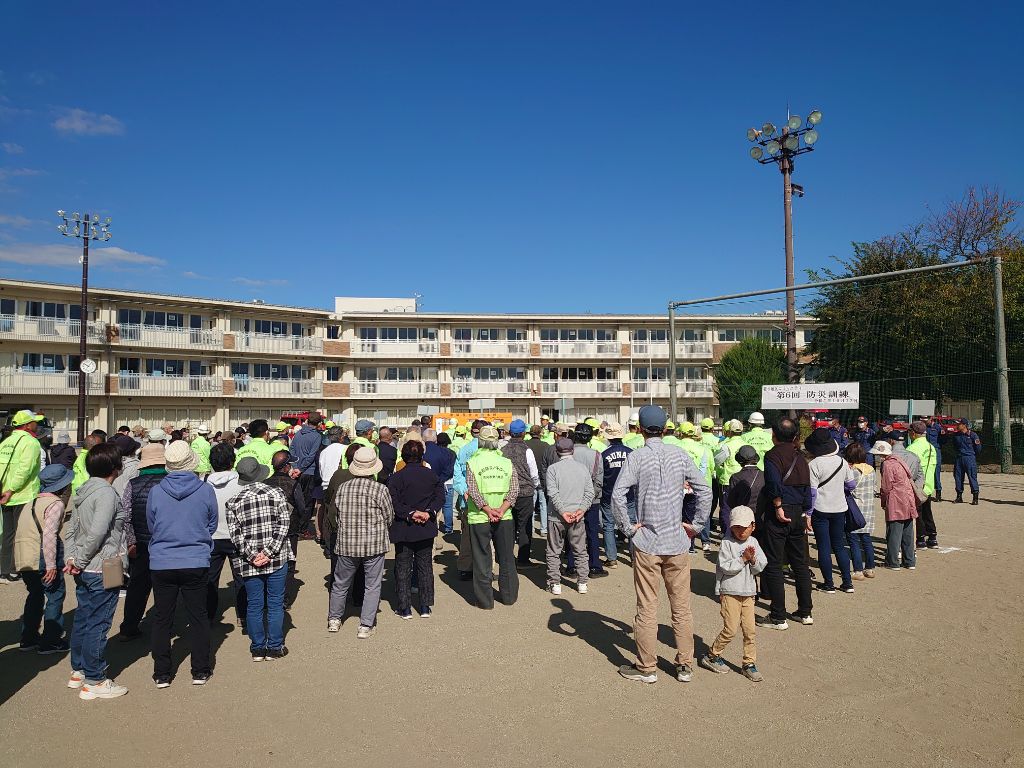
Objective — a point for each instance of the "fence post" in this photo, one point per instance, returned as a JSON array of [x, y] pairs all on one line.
[[1002, 370]]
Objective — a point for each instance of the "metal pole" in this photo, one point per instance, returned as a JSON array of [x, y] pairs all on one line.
[[786, 166], [1002, 370], [83, 324], [671, 361]]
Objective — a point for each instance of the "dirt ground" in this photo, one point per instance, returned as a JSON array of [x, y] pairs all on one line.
[[916, 669]]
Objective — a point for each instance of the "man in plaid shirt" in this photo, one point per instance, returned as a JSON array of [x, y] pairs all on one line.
[[258, 517]]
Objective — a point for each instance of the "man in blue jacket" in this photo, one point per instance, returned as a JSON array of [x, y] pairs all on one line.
[[182, 518], [967, 446], [305, 450]]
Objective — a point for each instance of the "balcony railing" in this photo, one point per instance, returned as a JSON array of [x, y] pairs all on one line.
[[580, 348], [395, 347], [422, 387], [45, 328], [180, 386], [246, 387], [593, 388], [491, 388], [491, 348], [22, 382], [684, 388], [659, 349], [172, 338], [265, 342]]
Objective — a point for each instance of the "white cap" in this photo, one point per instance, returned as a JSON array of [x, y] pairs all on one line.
[[756, 418], [202, 429], [634, 417]]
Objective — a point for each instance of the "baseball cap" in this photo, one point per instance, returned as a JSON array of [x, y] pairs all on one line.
[[735, 425], [707, 423], [488, 432], [21, 418], [670, 426], [687, 428], [282, 426], [364, 425], [652, 416], [564, 446], [742, 516], [747, 454], [517, 427], [918, 427]]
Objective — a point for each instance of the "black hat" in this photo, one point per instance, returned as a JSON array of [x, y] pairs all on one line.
[[584, 433], [747, 454], [821, 443]]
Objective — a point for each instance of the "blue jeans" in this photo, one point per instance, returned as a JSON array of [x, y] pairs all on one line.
[[40, 594], [541, 501], [938, 470], [863, 551], [265, 592], [830, 537], [449, 520], [592, 524], [93, 617], [611, 551]]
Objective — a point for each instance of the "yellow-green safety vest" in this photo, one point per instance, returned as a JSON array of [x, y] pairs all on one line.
[[493, 475], [730, 466], [761, 441]]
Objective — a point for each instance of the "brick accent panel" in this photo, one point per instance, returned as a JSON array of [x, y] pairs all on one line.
[[228, 389], [113, 334], [335, 348], [112, 385], [335, 389], [625, 350], [627, 388], [718, 351], [534, 350], [229, 341], [446, 349], [446, 390]]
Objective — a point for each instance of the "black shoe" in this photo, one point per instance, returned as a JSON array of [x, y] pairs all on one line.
[[959, 499], [164, 681], [61, 646], [201, 678], [598, 573], [127, 637], [920, 544], [938, 495], [974, 500], [259, 654], [26, 646], [933, 543], [465, 575], [277, 653]]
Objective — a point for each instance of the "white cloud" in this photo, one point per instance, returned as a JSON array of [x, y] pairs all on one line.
[[15, 221], [11, 148], [195, 275], [10, 173], [257, 283], [40, 77], [60, 255], [78, 122]]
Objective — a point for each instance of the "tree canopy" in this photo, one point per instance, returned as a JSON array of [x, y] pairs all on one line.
[[742, 372]]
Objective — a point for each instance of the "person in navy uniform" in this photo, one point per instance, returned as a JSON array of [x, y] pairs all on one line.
[[967, 446], [839, 434], [864, 436], [934, 435]]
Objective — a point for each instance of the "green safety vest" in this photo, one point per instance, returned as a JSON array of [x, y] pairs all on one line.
[[260, 450], [701, 456], [548, 437], [458, 444], [928, 455], [761, 441], [81, 475], [730, 466], [19, 466], [712, 442], [202, 447], [633, 440], [493, 475], [597, 444], [672, 440], [357, 441]]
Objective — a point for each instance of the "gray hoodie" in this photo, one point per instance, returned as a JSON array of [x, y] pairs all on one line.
[[96, 529], [225, 485], [733, 576]]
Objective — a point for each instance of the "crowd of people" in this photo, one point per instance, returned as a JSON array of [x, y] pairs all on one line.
[[159, 512]]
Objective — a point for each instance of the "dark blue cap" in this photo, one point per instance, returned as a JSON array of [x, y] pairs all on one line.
[[652, 416]]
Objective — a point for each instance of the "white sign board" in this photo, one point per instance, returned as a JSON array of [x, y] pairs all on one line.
[[427, 410], [911, 407], [831, 396], [564, 404], [483, 404]]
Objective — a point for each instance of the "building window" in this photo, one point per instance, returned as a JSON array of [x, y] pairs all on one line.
[[129, 316], [160, 367], [734, 334], [808, 335], [240, 370], [334, 373], [774, 335], [516, 334], [333, 331], [692, 334], [170, 320], [7, 306], [604, 334], [549, 334], [45, 309]]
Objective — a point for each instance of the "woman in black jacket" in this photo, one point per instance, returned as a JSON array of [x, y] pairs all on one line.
[[418, 495]]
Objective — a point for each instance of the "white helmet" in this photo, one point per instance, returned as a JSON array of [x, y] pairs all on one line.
[[756, 418], [634, 417]]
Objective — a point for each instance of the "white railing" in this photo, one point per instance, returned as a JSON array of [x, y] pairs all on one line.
[[245, 386], [491, 388], [422, 387], [395, 347], [594, 388], [173, 338], [181, 386], [23, 382], [46, 328], [659, 349], [491, 348], [580, 348], [265, 342], [684, 388]]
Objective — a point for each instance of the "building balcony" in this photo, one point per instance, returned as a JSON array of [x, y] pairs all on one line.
[[597, 349], [492, 349], [684, 388], [264, 342], [494, 388], [22, 382], [46, 329], [246, 387], [596, 388], [169, 386], [659, 349], [169, 338], [395, 348], [397, 388]]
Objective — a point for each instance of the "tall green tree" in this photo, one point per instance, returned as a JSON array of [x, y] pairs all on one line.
[[744, 369]]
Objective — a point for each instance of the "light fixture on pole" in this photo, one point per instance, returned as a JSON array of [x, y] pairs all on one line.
[[781, 150], [85, 228]]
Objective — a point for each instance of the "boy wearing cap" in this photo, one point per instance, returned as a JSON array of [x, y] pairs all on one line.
[[739, 560], [19, 482]]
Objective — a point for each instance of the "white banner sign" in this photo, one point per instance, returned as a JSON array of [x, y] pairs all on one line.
[[831, 396]]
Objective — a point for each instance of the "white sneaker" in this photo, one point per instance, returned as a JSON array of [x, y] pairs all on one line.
[[555, 589], [364, 632], [582, 588], [107, 689], [77, 679], [706, 546], [333, 625]]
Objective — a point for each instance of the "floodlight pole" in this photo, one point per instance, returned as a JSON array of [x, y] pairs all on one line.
[[83, 326], [1002, 370], [786, 166]]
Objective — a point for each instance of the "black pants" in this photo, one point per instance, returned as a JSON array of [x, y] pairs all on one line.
[[926, 522], [502, 535], [592, 524], [137, 592], [716, 495], [789, 541], [191, 584], [223, 549], [422, 552], [522, 516]]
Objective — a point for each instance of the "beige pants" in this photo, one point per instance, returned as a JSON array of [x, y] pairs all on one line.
[[648, 573], [737, 613]]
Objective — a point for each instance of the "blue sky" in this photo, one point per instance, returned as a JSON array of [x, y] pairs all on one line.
[[571, 156]]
